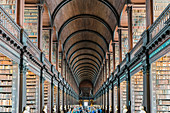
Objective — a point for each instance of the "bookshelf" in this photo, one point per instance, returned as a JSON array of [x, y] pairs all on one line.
[[122, 95], [47, 95], [124, 43], [9, 6], [138, 23], [160, 81], [116, 54], [115, 98], [31, 23], [32, 89], [159, 6], [8, 83], [45, 42], [136, 92]]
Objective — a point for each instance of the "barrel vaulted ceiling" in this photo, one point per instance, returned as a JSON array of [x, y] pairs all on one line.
[[85, 29]]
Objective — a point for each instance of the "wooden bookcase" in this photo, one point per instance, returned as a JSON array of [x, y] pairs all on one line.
[[8, 84], [136, 92], [138, 23], [31, 23], [122, 95], [32, 95], [160, 76], [47, 95]]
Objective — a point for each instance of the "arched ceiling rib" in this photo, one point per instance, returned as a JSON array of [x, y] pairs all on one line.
[[85, 29]]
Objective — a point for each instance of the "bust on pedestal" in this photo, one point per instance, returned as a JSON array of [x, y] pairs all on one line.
[[142, 109], [27, 109], [125, 110], [45, 109]]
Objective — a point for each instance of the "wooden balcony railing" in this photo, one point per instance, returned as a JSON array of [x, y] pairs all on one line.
[[160, 22], [9, 24]]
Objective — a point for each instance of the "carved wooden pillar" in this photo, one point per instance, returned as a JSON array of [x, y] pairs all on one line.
[[120, 45], [128, 94], [50, 45], [113, 98], [41, 91], [52, 95], [130, 38], [63, 99], [39, 36], [109, 64], [106, 70], [57, 54], [103, 74], [20, 12], [146, 83], [118, 94], [113, 46], [108, 99], [104, 95], [149, 13], [22, 84], [62, 70], [58, 102]]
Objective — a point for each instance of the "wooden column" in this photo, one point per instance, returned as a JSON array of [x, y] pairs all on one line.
[[128, 89], [20, 12], [113, 98], [108, 99], [62, 70], [58, 102], [149, 13], [105, 70], [22, 84], [118, 94], [52, 95], [109, 63], [57, 54], [63, 99], [120, 45], [113, 46], [39, 36], [146, 83], [50, 45], [65, 69], [103, 74], [130, 38], [104, 95], [41, 91], [66, 100]]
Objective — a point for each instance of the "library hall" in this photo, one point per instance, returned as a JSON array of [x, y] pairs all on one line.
[[84, 56]]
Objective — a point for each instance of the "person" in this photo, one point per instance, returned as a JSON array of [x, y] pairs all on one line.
[[99, 110]]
